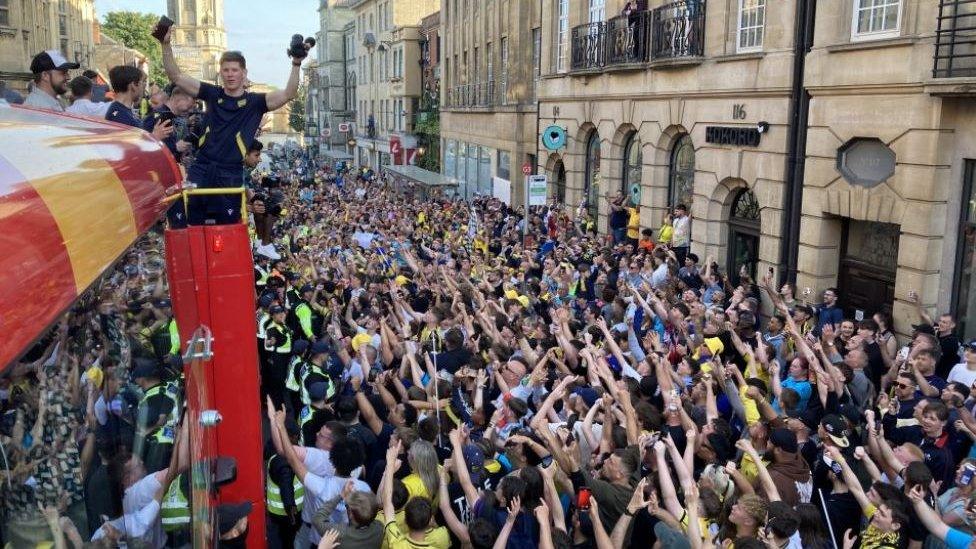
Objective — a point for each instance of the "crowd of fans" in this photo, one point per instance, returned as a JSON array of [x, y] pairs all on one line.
[[432, 378]]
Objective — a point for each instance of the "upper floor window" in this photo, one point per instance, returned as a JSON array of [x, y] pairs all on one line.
[[598, 10], [562, 34], [876, 19], [752, 20]]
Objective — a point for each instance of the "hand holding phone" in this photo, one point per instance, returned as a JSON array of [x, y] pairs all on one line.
[[162, 28]]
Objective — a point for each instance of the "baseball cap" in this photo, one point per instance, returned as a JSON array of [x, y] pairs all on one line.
[[836, 428], [923, 329], [229, 514], [265, 301], [51, 60], [144, 368], [671, 538], [318, 390], [163, 303], [320, 348], [971, 346], [277, 309], [307, 288], [588, 394], [474, 458], [299, 346], [784, 439]]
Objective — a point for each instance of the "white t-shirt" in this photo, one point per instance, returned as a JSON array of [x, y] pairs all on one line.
[[962, 374], [140, 519]]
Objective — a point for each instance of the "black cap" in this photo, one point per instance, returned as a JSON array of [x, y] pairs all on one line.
[[229, 514], [265, 301], [163, 303], [144, 367], [51, 60], [320, 348], [836, 427], [299, 346], [318, 390], [277, 309], [784, 439], [307, 288]]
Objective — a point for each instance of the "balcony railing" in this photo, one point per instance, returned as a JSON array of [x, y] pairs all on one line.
[[589, 46], [672, 31], [479, 94], [679, 30], [955, 40]]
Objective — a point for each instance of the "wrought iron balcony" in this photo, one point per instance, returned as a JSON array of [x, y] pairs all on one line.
[[678, 30], [955, 40], [672, 31]]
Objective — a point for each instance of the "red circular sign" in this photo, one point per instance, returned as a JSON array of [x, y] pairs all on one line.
[[526, 169]]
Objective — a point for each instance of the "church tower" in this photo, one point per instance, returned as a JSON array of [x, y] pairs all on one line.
[[199, 37]]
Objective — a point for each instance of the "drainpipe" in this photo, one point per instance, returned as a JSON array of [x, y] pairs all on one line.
[[796, 144]]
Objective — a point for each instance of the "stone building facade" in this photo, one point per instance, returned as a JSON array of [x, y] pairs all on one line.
[[334, 105], [28, 27], [490, 65], [388, 78], [199, 36], [844, 155]]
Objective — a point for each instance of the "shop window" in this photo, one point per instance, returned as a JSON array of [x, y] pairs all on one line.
[[681, 183], [633, 165], [964, 296], [593, 175]]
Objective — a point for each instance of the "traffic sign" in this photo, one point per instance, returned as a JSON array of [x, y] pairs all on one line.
[[538, 188], [526, 168]]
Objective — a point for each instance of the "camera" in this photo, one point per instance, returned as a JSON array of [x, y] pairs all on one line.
[[299, 46]]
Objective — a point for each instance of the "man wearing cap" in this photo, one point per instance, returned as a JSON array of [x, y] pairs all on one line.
[[789, 471], [50, 70], [314, 415], [277, 344], [284, 495], [232, 524], [177, 106], [300, 317], [156, 415], [313, 371]]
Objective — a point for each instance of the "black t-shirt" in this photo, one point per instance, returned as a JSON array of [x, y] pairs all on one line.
[[452, 360], [229, 125], [845, 513], [618, 218]]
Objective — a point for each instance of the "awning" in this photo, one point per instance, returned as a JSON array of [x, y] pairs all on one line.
[[336, 155], [426, 178]]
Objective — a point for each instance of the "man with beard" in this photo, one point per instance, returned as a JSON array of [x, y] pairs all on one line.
[[50, 70]]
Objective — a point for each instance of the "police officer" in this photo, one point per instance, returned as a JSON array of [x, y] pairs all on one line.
[[264, 318], [293, 387], [175, 512], [292, 294], [262, 272], [315, 371], [165, 307], [156, 415], [317, 413], [284, 495], [277, 343], [302, 318]]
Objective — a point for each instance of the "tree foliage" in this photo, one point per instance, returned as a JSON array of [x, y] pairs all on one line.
[[296, 118], [134, 30], [428, 130]]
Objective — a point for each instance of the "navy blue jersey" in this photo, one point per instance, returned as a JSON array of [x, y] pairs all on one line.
[[150, 123], [229, 126], [117, 112]]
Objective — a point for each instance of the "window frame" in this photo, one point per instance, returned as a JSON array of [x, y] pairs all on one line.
[[562, 36], [966, 210], [739, 48], [673, 171], [625, 181], [857, 36]]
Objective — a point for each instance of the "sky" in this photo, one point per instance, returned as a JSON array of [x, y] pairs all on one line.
[[260, 29]]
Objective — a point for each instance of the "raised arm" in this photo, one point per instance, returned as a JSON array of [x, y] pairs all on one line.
[[767, 481], [186, 83]]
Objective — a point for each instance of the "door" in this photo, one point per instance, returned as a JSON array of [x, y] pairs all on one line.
[[869, 260], [743, 236]]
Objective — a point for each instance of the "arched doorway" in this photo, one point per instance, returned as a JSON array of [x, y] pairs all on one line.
[[557, 190], [633, 164], [681, 183], [743, 236], [592, 190]]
